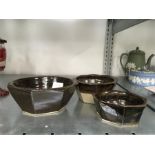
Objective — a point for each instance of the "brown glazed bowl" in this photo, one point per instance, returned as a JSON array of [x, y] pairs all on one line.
[[120, 108], [42, 95], [89, 85]]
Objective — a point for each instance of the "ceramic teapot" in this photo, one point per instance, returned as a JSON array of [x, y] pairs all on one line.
[[135, 60]]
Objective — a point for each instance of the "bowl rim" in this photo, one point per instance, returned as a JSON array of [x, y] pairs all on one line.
[[12, 84], [142, 72], [96, 96], [95, 75]]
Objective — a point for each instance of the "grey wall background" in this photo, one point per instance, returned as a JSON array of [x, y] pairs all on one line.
[[69, 47], [142, 35], [61, 47]]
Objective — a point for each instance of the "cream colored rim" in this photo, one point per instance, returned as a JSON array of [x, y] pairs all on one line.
[[116, 124], [44, 114]]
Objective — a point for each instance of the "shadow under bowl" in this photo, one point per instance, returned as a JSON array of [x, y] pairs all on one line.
[[120, 108], [89, 85], [42, 94]]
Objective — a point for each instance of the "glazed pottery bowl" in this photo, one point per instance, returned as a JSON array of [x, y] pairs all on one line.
[[119, 108], [142, 78], [42, 95], [89, 85]]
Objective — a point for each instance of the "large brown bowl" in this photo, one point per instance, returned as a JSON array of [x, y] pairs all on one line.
[[43, 94], [89, 85], [120, 108]]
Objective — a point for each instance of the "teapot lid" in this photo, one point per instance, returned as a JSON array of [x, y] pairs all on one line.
[[137, 51]]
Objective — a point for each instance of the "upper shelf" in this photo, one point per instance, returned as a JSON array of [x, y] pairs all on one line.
[[122, 24]]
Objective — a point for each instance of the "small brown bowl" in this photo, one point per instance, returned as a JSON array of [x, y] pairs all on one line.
[[89, 85], [120, 108], [42, 95]]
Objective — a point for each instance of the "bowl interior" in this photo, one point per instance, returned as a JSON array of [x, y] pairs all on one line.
[[45, 82], [95, 79], [119, 98]]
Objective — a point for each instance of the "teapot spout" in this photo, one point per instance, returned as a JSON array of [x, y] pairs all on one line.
[[148, 63]]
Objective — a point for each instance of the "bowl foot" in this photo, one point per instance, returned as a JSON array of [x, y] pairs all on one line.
[[45, 114], [120, 125]]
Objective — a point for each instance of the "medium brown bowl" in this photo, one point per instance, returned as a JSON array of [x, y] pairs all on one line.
[[42, 94], [89, 85], [120, 108]]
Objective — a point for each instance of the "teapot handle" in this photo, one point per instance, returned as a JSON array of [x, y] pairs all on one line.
[[122, 55]]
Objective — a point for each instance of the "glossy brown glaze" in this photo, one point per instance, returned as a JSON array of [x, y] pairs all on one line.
[[89, 85], [38, 95], [120, 107]]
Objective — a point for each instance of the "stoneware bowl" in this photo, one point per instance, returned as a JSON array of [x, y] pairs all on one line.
[[120, 108], [89, 85], [142, 78], [42, 95]]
